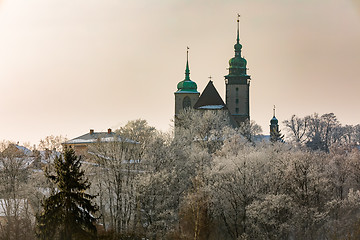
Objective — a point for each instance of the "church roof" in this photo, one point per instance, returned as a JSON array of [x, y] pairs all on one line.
[[210, 99]]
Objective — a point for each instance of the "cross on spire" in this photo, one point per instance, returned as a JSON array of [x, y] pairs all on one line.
[[238, 29], [187, 70], [274, 111], [210, 77]]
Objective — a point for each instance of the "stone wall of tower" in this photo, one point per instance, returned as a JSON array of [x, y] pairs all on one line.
[[237, 101], [179, 103], [179, 100]]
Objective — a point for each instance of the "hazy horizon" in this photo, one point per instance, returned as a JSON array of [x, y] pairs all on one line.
[[68, 66]]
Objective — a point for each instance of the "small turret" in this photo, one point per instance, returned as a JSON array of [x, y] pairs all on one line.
[[274, 129]]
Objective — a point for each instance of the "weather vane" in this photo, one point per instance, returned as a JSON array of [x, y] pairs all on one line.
[[210, 77]]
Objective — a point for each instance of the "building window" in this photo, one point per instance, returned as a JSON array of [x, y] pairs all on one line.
[[237, 89], [237, 110], [186, 102], [237, 100]]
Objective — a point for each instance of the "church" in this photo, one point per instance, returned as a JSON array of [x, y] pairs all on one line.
[[237, 84]]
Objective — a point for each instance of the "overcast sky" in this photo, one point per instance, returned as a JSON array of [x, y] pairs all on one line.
[[70, 65]]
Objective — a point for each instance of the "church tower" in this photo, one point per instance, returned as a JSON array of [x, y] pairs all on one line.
[[238, 84], [275, 134], [187, 95]]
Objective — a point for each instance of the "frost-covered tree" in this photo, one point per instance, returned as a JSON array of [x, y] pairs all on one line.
[[307, 185], [235, 181], [249, 130], [137, 130], [118, 164], [320, 132], [182, 164], [270, 216], [297, 128], [195, 215], [15, 206], [170, 168], [203, 127], [114, 182], [52, 143]]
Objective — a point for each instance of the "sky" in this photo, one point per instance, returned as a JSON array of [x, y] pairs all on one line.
[[67, 66]]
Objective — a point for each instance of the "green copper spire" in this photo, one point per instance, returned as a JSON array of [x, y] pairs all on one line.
[[187, 85], [237, 65], [187, 70], [274, 120], [238, 46]]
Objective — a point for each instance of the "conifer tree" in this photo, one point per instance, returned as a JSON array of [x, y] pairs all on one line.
[[68, 214], [276, 136]]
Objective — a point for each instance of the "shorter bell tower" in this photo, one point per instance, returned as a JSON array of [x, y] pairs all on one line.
[[187, 95], [275, 134]]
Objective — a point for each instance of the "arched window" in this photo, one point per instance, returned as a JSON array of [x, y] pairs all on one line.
[[186, 102]]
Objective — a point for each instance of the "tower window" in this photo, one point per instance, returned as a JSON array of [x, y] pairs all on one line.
[[186, 102], [237, 89], [237, 100], [237, 110]]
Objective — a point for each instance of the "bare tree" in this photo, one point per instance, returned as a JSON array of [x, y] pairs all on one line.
[[249, 130], [297, 127], [117, 166], [14, 203], [52, 143], [320, 132]]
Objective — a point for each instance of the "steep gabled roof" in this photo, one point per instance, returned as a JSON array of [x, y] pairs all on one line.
[[210, 99]]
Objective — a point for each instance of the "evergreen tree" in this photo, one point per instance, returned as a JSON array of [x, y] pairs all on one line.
[[68, 214], [276, 136]]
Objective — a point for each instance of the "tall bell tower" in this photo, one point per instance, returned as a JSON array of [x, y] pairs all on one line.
[[238, 84]]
